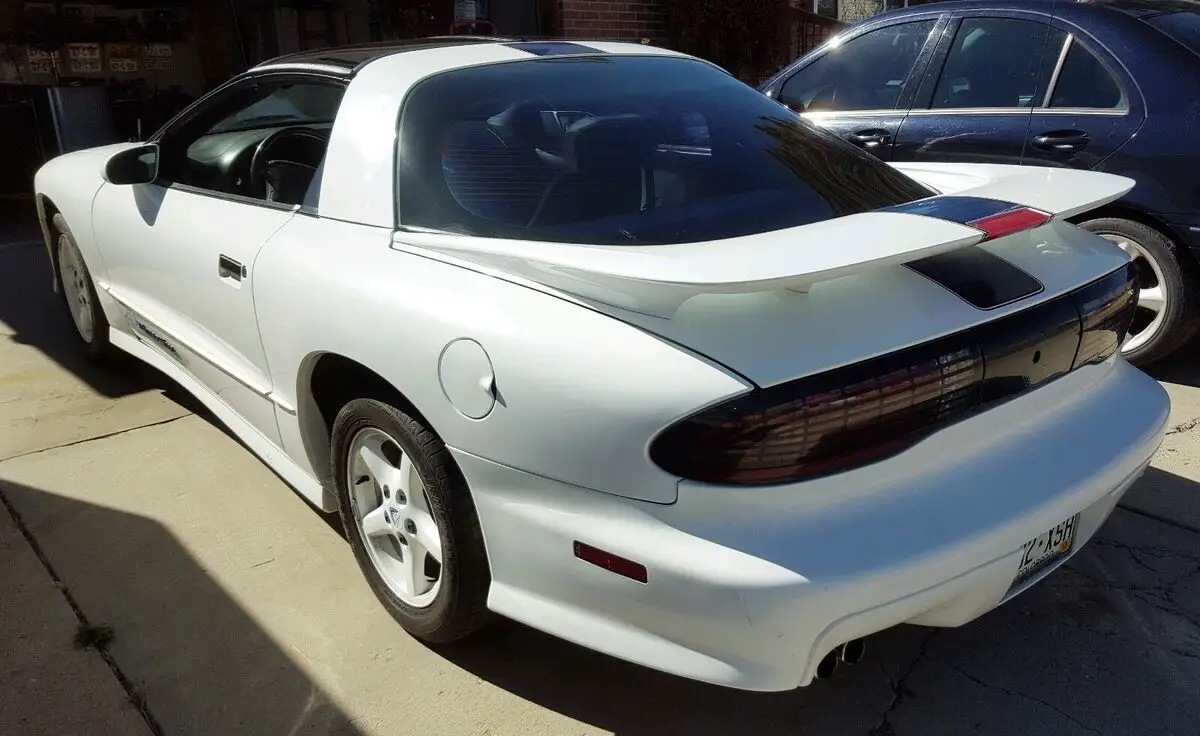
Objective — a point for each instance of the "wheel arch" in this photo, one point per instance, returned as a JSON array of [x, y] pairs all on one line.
[[326, 382], [46, 210], [1126, 212]]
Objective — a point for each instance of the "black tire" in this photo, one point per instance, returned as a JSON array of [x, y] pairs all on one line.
[[1181, 286], [460, 606], [96, 349]]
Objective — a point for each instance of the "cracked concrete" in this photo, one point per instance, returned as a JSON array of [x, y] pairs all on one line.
[[238, 609]]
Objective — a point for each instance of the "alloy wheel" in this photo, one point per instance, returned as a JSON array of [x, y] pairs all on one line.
[[1152, 293], [75, 287], [392, 514]]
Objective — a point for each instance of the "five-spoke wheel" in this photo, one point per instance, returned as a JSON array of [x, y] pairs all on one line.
[[1168, 311], [410, 520], [79, 293], [391, 511]]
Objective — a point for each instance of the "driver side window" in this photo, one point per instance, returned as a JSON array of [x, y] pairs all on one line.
[[867, 72], [264, 139]]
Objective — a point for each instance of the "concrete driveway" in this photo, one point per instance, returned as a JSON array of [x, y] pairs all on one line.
[[207, 598]]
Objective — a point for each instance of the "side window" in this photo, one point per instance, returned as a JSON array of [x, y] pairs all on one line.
[[868, 72], [262, 139], [997, 63], [1084, 82]]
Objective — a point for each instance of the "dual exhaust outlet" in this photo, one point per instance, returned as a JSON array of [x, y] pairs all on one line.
[[852, 652]]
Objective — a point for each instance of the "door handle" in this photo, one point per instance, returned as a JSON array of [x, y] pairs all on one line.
[[1061, 140], [229, 268], [873, 138]]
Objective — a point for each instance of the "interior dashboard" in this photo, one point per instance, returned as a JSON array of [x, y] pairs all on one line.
[[221, 161]]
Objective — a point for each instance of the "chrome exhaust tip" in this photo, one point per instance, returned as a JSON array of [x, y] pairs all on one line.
[[853, 651], [827, 666]]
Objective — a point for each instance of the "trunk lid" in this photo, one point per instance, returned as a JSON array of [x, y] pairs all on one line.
[[779, 305]]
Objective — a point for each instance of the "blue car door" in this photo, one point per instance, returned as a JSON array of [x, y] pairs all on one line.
[[859, 86], [976, 101], [1091, 109]]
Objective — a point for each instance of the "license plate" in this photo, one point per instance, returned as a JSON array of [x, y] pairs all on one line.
[[1045, 548]]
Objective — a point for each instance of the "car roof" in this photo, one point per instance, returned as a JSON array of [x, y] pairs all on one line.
[[348, 59], [1136, 8]]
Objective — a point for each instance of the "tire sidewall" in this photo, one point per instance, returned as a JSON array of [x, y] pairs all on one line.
[[364, 414]]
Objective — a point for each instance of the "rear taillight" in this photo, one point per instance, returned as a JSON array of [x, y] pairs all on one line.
[[1011, 221], [852, 416], [1106, 308]]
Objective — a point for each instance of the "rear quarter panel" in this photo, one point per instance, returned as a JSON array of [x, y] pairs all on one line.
[[1163, 157], [580, 394]]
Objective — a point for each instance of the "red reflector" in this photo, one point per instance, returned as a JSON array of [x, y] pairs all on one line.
[[611, 562], [1012, 221]]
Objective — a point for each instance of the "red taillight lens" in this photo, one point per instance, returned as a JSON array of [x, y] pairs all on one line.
[[1010, 221], [852, 416], [813, 426]]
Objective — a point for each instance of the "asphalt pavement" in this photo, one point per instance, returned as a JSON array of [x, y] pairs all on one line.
[[158, 579]]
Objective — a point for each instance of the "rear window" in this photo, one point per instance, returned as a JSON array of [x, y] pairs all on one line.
[[1183, 26], [622, 150]]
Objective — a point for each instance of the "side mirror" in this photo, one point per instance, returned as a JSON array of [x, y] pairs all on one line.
[[133, 166]]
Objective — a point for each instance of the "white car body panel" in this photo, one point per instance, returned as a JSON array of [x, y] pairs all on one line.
[[611, 415], [177, 293], [751, 587], [589, 352], [758, 333], [1063, 192]]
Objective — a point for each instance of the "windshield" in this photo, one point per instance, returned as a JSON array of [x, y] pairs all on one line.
[[622, 150], [1183, 26]]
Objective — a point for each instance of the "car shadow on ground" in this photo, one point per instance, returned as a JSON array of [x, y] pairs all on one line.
[[1181, 367], [210, 665]]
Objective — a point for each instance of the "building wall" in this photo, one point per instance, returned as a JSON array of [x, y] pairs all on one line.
[[633, 19]]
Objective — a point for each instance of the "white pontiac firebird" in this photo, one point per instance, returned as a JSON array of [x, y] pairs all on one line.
[[597, 338]]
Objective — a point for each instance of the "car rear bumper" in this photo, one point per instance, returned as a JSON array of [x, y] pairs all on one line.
[[751, 587]]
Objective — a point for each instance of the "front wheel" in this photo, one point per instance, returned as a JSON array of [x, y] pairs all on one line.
[[410, 520], [79, 294], [1168, 313]]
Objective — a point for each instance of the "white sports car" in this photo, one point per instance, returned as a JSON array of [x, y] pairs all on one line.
[[596, 337]]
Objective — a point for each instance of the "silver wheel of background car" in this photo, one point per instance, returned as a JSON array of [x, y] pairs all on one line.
[[391, 511], [75, 286], [1152, 295]]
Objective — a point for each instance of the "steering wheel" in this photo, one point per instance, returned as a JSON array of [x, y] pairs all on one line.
[[261, 160]]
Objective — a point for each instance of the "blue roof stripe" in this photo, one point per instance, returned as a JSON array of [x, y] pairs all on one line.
[[962, 210], [554, 48]]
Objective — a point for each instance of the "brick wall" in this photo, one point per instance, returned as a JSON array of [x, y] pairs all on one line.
[[633, 19]]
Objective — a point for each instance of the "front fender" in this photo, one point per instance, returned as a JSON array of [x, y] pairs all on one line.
[[68, 184]]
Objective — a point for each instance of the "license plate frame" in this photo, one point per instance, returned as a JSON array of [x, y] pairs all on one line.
[[1046, 548]]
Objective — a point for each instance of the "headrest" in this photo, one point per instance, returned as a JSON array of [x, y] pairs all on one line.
[[520, 121], [611, 143]]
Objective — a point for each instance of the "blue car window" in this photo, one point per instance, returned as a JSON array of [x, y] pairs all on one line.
[[997, 63], [1084, 82], [867, 72]]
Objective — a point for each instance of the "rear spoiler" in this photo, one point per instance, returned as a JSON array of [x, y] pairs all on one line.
[[1062, 193], [657, 280]]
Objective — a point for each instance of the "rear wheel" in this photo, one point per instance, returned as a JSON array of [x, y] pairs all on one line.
[[410, 520], [1168, 313], [79, 294]]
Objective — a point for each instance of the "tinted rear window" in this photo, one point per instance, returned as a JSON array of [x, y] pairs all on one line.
[[627, 150], [1182, 26]]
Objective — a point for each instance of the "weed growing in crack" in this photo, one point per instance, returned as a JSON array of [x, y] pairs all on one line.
[[93, 637]]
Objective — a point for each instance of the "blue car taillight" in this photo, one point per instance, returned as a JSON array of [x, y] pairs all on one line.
[[854, 415]]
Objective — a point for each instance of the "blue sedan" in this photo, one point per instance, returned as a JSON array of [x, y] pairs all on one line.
[[1110, 85]]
